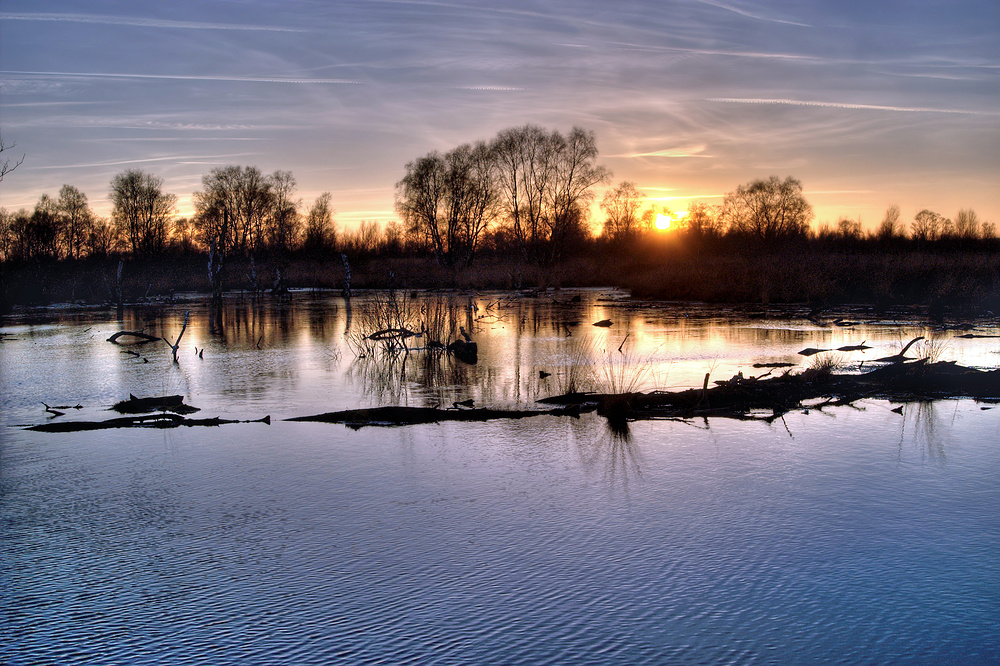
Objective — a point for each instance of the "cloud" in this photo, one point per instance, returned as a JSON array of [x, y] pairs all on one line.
[[843, 105], [140, 22], [681, 151], [758, 17], [178, 159], [180, 77]]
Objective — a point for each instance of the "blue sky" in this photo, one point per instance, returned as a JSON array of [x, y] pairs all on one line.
[[867, 103]]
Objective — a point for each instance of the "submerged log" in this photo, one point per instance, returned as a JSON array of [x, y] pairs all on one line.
[[143, 338], [149, 421], [398, 416], [169, 403]]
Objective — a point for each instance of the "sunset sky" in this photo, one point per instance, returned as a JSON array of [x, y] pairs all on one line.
[[867, 103]]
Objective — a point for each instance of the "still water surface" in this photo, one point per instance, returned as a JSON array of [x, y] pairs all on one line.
[[852, 534]]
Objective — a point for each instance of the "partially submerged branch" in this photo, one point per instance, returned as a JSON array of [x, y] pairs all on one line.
[[142, 338], [177, 343], [148, 421]]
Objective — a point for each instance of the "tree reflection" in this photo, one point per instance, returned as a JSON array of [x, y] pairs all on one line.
[[924, 422]]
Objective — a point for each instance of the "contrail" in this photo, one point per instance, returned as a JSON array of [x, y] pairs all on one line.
[[842, 105], [182, 77], [141, 22]]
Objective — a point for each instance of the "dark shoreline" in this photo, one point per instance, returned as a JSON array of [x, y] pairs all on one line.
[[963, 283]]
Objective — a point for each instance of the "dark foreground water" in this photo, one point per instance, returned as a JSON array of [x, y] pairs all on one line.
[[845, 535]]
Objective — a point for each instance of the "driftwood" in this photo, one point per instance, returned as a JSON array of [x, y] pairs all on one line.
[[901, 356], [398, 416], [150, 421], [143, 338], [169, 403], [847, 348]]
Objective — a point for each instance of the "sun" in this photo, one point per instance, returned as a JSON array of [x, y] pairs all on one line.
[[665, 220]]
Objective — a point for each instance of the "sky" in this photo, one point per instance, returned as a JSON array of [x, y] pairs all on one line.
[[867, 103]]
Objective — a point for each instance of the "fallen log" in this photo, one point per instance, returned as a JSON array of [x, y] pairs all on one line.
[[148, 421], [399, 416]]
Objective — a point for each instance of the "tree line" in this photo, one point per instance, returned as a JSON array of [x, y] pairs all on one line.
[[526, 193]]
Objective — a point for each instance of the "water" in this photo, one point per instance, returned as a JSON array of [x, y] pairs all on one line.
[[853, 534]]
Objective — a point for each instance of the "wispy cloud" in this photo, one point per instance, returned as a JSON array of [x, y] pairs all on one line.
[[679, 152], [758, 17], [179, 77], [140, 22], [178, 159], [844, 105]]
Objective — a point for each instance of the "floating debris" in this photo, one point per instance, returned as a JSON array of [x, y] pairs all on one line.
[[167, 403]]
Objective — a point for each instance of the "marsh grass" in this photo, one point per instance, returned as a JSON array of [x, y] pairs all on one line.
[[932, 350]]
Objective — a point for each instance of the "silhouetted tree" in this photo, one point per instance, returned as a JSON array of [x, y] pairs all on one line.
[[525, 160], [76, 221], [621, 211], [890, 228], [450, 199], [234, 208], [320, 232], [545, 182], [927, 225], [283, 225], [768, 210], [702, 221], [140, 210], [575, 173], [967, 226], [103, 238]]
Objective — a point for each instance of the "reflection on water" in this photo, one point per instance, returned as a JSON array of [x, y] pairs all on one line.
[[852, 533]]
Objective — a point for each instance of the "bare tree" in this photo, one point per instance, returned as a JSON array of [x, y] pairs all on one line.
[[768, 210], [621, 209], [141, 209], [234, 208], [967, 224], [575, 171], [890, 227], [927, 225], [76, 221], [703, 220], [5, 166], [320, 232], [283, 227], [525, 160], [450, 199]]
